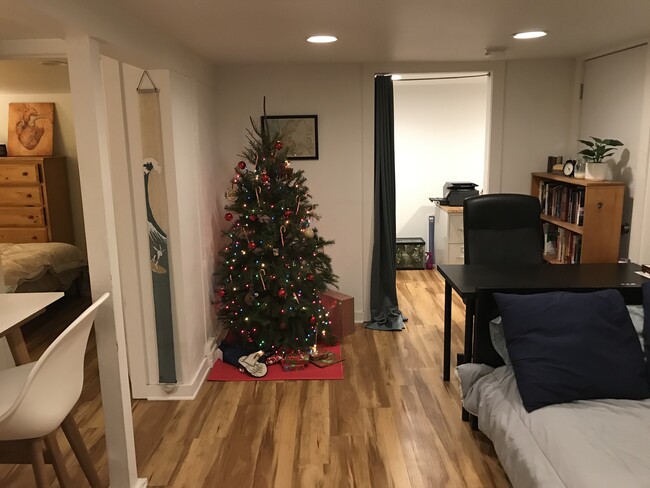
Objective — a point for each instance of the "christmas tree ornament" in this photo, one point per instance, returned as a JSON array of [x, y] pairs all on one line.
[[282, 230], [279, 145], [265, 178], [282, 293], [276, 251], [251, 245], [282, 326], [310, 277], [231, 194], [252, 217], [312, 320], [241, 165], [249, 298], [228, 216], [309, 233], [222, 292], [258, 190], [287, 213], [262, 274]]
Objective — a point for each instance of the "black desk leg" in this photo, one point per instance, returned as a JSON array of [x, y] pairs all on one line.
[[469, 329], [447, 334], [470, 304]]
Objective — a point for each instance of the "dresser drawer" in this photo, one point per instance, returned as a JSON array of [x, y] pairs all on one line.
[[22, 217], [456, 254], [16, 234], [19, 173], [456, 229], [21, 195]]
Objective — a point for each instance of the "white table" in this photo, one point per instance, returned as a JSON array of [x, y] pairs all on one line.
[[15, 310]]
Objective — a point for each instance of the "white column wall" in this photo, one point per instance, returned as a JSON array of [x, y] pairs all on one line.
[[97, 194], [189, 241]]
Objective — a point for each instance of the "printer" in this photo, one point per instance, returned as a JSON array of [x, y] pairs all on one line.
[[455, 192]]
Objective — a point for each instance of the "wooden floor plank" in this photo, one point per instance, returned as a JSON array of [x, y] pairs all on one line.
[[391, 422]]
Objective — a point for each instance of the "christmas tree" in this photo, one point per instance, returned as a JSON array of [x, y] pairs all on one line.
[[273, 267]]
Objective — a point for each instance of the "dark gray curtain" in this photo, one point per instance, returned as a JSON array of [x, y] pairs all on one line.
[[383, 295]]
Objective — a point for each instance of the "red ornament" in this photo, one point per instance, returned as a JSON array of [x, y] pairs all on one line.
[[312, 320], [222, 293], [287, 212], [252, 218], [228, 216], [282, 293], [265, 178], [251, 245], [310, 277], [241, 165], [279, 145]]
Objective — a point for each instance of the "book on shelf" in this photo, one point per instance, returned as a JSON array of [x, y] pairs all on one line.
[[561, 244], [562, 202]]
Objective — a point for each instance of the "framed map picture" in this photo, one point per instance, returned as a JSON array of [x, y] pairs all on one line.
[[299, 133], [30, 129]]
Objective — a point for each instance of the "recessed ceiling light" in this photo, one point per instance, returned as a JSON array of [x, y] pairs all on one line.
[[321, 39], [529, 34]]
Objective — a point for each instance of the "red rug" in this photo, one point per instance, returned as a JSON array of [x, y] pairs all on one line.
[[226, 372]]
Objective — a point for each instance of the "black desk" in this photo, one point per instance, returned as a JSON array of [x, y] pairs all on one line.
[[466, 278]]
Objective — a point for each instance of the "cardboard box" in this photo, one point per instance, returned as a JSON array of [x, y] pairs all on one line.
[[341, 312]]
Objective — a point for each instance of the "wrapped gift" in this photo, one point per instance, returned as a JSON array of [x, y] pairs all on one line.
[[341, 312], [295, 361]]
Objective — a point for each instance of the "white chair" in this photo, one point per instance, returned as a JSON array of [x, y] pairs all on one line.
[[37, 397]]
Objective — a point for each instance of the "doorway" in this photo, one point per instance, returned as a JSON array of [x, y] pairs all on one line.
[[440, 136]]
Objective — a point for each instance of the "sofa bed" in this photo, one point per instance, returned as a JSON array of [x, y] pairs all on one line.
[[560, 384]]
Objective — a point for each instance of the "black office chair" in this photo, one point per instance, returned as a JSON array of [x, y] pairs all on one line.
[[502, 228], [499, 228]]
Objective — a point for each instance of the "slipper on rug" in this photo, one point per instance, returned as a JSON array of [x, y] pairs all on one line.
[[252, 365]]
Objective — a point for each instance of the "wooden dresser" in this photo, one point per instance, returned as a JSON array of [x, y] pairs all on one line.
[[34, 200]]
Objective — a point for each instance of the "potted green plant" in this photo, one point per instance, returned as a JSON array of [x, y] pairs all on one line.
[[594, 155]]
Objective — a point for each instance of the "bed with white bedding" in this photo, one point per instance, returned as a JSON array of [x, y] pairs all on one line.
[[586, 443], [593, 442], [44, 266]]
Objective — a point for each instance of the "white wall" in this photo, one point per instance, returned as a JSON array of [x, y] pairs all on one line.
[[539, 96], [529, 116], [188, 131], [333, 92], [440, 129]]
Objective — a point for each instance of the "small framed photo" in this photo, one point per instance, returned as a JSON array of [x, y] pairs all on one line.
[[299, 133]]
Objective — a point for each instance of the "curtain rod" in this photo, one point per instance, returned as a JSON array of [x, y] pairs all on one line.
[[444, 77]]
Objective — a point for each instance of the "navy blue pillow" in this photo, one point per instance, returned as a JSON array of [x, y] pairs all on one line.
[[572, 346], [646, 327]]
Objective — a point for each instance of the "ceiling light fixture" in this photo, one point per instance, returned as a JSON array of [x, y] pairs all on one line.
[[529, 34], [321, 39]]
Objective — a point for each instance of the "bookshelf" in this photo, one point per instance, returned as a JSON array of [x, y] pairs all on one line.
[[581, 218]]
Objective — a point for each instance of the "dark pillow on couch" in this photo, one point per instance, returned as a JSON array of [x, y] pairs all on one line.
[[646, 327], [572, 346]]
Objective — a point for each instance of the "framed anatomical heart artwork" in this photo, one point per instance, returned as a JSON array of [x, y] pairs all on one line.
[[30, 129]]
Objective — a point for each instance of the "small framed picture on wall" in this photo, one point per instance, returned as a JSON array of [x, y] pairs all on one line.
[[299, 133]]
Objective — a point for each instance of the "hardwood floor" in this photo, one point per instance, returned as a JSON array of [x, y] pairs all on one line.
[[392, 422]]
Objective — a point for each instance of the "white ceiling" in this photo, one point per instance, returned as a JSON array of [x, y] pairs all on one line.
[[233, 31], [227, 31]]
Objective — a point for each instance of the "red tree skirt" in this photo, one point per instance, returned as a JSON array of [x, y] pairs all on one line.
[[225, 372]]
